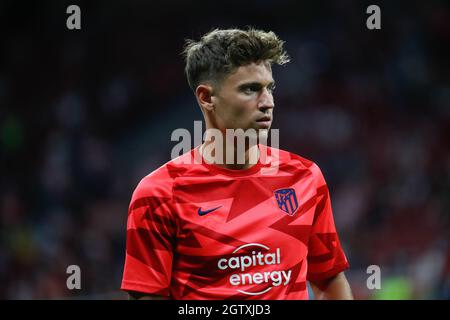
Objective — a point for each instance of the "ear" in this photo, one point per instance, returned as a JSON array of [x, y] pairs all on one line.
[[204, 95]]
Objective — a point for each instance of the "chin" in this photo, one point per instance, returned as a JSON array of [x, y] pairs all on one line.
[[263, 133]]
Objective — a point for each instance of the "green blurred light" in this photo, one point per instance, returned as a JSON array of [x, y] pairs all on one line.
[[11, 134], [394, 288]]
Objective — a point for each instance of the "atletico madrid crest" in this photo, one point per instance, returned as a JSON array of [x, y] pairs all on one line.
[[287, 200]]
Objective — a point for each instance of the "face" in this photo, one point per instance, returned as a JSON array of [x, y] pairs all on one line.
[[244, 99]]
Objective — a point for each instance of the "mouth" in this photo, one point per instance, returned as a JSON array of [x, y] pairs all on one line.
[[265, 118], [264, 122]]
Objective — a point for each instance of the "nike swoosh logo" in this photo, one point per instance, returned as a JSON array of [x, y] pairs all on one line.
[[202, 213]]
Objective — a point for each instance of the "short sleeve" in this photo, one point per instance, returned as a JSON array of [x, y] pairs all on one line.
[[150, 241], [326, 257]]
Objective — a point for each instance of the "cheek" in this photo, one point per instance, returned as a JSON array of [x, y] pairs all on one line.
[[242, 114], [243, 107], [237, 112]]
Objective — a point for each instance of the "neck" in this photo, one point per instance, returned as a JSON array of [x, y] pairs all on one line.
[[213, 155]]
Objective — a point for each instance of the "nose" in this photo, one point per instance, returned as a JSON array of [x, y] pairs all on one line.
[[266, 100]]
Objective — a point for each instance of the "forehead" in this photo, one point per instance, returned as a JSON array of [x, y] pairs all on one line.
[[253, 72]]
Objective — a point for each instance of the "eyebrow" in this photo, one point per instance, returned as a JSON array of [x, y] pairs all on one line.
[[255, 84]]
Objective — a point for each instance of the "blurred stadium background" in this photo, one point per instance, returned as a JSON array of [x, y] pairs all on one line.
[[85, 114]]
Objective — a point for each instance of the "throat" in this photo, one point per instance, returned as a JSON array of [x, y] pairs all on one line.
[[229, 158]]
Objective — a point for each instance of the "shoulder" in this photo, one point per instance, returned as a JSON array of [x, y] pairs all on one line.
[[292, 160], [159, 183]]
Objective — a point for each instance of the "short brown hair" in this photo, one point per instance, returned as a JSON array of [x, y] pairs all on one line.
[[219, 52]]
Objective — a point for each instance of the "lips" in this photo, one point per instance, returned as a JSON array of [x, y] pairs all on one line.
[[264, 119], [264, 122]]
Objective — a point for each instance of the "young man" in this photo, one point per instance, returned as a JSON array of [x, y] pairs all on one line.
[[220, 228]]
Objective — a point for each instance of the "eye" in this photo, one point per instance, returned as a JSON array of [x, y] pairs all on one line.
[[271, 88], [250, 90]]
